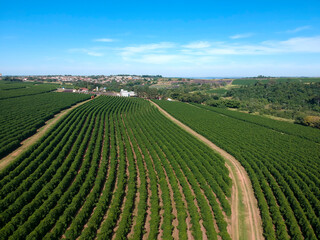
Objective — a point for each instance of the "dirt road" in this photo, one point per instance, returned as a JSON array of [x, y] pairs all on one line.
[[245, 222], [31, 140]]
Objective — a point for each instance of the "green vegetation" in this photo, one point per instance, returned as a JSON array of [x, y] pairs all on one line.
[[280, 126], [22, 116], [282, 161], [292, 100], [12, 85], [219, 91], [223, 103], [252, 81], [105, 158], [283, 95], [12, 89], [296, 99], [288, 100]]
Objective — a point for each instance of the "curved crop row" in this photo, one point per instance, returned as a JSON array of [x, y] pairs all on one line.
[[115, 168], [282, 162], [22, 116]]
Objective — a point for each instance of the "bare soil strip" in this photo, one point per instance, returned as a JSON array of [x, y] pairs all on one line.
[[241, 190], [100, 162], [160, 233], [204, 235], [137, 198], [79, 170], [148, 217], [124, 201], [211, 211], [175, 222], [188, 219], [161, 212], [175, 232], [115, 184], [175, 213], [40, 132], [203, 230], [106, 176], [148, 212]]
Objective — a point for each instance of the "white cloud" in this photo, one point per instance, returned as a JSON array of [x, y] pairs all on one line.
[[90, 52], [146, 48], [236, 49], [292, 45], [95, 54], [171, 59], [104, 40], [158, 58], [243, 35], [298, 29], [296, 45], [197, 45], [202, 52]]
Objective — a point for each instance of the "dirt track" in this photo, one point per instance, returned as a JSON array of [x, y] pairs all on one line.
[[242, 192], [31, 140]]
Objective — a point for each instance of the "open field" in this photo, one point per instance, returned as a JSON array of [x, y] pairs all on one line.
[[116, 168], [282, 162]]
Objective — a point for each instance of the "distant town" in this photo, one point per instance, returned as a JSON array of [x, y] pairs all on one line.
[[101, 79]]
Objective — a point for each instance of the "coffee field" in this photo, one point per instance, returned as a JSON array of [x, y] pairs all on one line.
[[115, 168], [281, 159]]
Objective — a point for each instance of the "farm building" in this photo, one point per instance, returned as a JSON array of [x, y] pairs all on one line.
[[85, 90], [125, 93]]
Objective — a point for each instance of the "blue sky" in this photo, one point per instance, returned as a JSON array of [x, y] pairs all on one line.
[[172, 38]]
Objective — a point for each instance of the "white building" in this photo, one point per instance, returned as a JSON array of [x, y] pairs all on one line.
[[125, 93]]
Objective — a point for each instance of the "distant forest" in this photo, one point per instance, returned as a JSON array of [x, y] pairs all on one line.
[[293, 96], [299, 101], [293, 100]]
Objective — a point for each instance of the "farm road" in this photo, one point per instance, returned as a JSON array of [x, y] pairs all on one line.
[[245, 217]]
